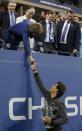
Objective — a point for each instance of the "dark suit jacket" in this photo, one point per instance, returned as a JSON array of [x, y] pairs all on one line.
[[20, 30], [4, 23], [73, 37], [61, 117], [41, 38], [43, 35]]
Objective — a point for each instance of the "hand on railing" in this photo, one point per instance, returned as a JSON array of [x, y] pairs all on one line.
[[2, 43]]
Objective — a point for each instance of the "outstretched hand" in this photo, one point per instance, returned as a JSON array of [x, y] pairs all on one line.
[[32, 63], [33, 66]]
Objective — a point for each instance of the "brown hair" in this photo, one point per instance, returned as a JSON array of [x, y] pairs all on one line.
[[50, 12], [36, 27]]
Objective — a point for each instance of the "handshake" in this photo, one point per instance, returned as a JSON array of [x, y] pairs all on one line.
[[32, 63]]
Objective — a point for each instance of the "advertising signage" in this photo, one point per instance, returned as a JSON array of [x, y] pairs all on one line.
[[57, 5]]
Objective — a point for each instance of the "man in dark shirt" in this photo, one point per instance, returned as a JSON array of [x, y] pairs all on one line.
[[56, 91]]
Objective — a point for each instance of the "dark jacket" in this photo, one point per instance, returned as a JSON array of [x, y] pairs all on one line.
[[4, 22], [73, 37], [20, 30], [61, 116], [43, 36], [46, 47]]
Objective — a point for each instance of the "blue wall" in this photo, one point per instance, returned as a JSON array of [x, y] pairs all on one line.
[[81, 44], [18, 88]]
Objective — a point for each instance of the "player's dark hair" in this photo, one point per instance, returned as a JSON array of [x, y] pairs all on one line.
[[61, 89]]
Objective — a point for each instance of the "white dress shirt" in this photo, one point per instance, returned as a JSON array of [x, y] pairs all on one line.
[[49, 35], [65, 39], [12, 18], [22, 18]]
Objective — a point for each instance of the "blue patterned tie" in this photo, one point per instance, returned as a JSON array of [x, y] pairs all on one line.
[[12, 19], [64, 32], [50, 29]]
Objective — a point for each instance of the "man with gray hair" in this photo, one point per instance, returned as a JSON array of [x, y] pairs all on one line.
[[28, 16]]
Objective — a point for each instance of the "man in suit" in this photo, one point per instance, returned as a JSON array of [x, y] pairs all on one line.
[[48, 36], [7, 19], [59, 110], [23, 31], [68, 36]]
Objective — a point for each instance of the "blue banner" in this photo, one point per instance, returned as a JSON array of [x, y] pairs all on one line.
[[57, 4], [20, 98]]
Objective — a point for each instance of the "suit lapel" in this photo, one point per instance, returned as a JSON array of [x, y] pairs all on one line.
[[45, 26], [71, 27], [8, 17], [61, 26]]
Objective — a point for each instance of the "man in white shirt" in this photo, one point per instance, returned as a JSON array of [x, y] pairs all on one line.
[[28, 16]]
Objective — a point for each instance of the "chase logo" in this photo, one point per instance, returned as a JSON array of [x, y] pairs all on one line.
[[72, 103]]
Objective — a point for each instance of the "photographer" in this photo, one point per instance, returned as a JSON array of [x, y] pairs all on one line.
[[56, 91]]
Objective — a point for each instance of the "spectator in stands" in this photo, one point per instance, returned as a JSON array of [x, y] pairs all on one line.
[[58, 19], [42, 16], [58, 15], [48, 36], [24, 30], [54, 17], [76, 19], [7, 19], [28, 16], [68, 35], [1, 8]]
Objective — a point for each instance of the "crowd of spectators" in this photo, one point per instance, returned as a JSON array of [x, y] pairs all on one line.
[[61, 34]]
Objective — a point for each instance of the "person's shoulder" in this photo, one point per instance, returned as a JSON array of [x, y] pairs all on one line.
[[75, 23], [20, 25], [4, 12], [32, 20], [23, 23], [24, 26], [60, 23], [20, 19], [43, 22], [60, 103]]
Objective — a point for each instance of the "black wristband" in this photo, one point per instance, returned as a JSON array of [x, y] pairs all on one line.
[[35, 71]]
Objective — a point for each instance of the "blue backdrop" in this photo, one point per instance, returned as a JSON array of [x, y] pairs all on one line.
[[20, 97], [57, 5]]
